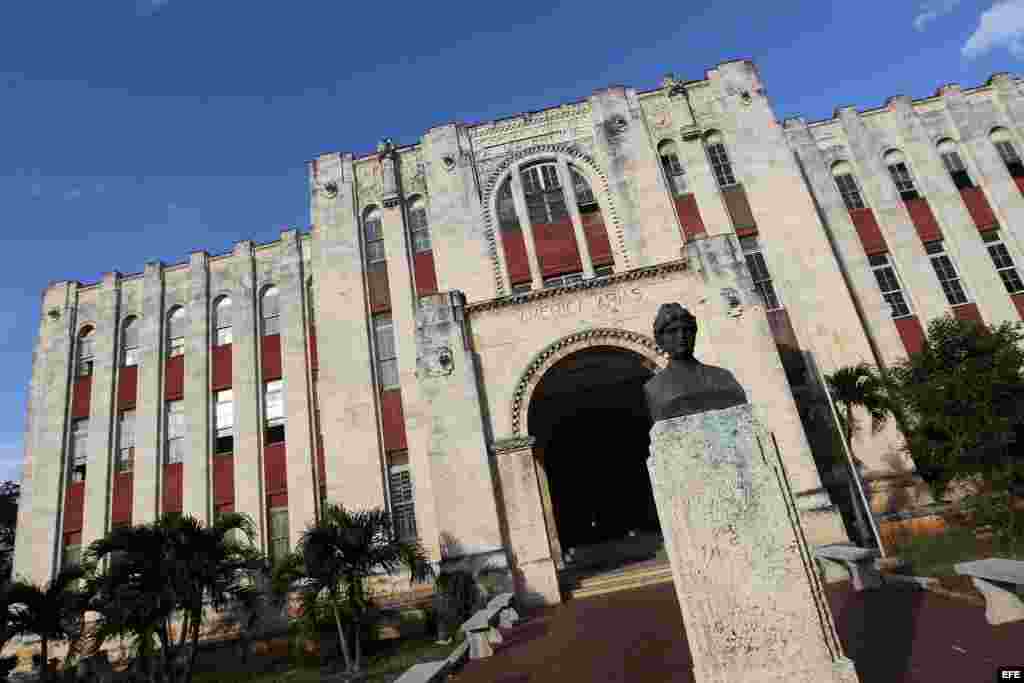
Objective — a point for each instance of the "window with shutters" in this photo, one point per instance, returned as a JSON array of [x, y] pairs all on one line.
[[896, 162], [950, 154], [125, 441], [545, 202], [418, 228], [948, 276], [889, 284], [384, 346], [86, 350], [130, 342], [273, 405], [176, 332], [759, 272], [1003, 261], [374, 237], [1003, 142], [222, 321], [674, 172], [79, 456], [224, 422], [270, 311], [842, 172], [175, 447], [403, 510], [719, 158], [278, 534]]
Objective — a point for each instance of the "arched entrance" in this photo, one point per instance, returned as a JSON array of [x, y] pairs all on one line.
[[590, 421]]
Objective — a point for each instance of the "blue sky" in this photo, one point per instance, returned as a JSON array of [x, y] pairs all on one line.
[[132, 130]]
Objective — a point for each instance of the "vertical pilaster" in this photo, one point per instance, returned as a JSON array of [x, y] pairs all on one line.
[[196, 498], [565, 178], [149, 399], [519, 198]]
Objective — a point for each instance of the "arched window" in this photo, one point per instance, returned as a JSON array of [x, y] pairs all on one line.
[[374, 237], [130, 342], [719, 158], [176, 332], [950, 154], [896, 162], [842, 172], [545, 202], [674, 172], [418, 227], [222, 321], [508, 219], [1001, 138], [585, 200], [270, 310], [85, 351]]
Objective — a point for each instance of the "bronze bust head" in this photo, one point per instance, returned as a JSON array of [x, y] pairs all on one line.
[[686, 386]]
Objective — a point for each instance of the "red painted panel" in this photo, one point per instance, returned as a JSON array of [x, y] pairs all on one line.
[[80, 397], [426, 276], [225, 507], [271, 350], [275, 473], [314, 354], [121, 499], [377, 280], [868, 231], [556, 248], [597, 238], [514, 245], [174, 378], [968, 312], [739, 209], [911, 333], [127, 387], [223, 479], [278, 500], [1018, 301], [172, 487], [1020, 183], [923, 219], [689, 215], [72, 538], [394, 420], [220, 368], [977, 205], [74, 506]]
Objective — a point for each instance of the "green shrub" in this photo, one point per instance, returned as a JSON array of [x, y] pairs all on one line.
[[935, 554], [456, 596]]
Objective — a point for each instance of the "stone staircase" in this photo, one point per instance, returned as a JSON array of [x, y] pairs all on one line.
[[636, 575]]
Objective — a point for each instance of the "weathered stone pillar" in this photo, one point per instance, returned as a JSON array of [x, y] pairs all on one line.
[[196, 498], [149, 399], [519, 198], [752, 601], [536, 580]]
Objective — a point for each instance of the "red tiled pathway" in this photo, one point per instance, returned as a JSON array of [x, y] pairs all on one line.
[[636, 636]]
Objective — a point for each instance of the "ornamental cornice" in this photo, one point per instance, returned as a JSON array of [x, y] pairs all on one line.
[[512, 443], [486, 131], [679, 265]]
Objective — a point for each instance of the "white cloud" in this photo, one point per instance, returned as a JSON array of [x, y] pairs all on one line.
[[933, 9], [1001, 25]]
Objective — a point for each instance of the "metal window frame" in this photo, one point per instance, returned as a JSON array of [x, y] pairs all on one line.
[[942, 263], [765, 286], [721, 164], [992, 240], [852, 196], [543, 191], [888, 265]]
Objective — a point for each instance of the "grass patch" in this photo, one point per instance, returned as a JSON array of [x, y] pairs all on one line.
[[935, 554]]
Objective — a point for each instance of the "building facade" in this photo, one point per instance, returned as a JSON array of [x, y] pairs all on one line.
[[463, 334]]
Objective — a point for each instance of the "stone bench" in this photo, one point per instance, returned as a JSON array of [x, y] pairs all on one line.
[[995, 578], [507, 614], [424, 672], [481, 633], [860, 562]]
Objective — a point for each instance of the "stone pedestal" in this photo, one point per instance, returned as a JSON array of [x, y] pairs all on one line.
[[752, 603]]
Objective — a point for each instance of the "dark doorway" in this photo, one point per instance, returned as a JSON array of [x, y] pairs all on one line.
[[592, 427]]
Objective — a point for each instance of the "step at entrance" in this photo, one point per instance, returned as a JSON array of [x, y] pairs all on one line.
[[631, 576]]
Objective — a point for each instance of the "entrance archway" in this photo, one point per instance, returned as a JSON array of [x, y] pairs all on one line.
[[591, 425]]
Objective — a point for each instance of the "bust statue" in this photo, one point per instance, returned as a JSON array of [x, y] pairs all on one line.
[[686, 386]]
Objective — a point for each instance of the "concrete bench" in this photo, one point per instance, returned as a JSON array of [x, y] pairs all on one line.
[[507, 614], [481, 634], [995, 578], [860, 562], [424, 672]]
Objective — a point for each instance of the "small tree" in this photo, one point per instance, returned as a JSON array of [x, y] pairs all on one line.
[[54, 612], [340, 552]]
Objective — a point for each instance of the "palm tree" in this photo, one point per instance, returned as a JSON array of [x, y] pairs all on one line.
[[54, 612], [344, 548], [851, 387], [169, 569]]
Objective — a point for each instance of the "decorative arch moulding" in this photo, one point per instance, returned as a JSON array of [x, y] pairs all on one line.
[[627, 340], [571, 153]]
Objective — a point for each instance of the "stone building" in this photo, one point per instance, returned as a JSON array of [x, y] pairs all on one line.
[[463, 333]]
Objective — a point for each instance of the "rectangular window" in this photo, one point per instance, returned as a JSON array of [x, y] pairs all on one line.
[[759, 272], [585, 200], [1010, 158], [175, 433], [131, 344], [374, 241], [1003, 261], [387, 360], [957, 171], [674, 173], [79, 455], [274, 407], [889, 283], [403, 512], [278, 534], [850, 192], [545, 202], [904, 183], [271, 313], [125, 441], [177, 347], [721, 165], [224, 422], [946, 272], [563, 280], [419, 230], [223, 335], [508, 219]]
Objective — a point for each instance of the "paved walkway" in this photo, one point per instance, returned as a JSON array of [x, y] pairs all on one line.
[[636, 636]]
